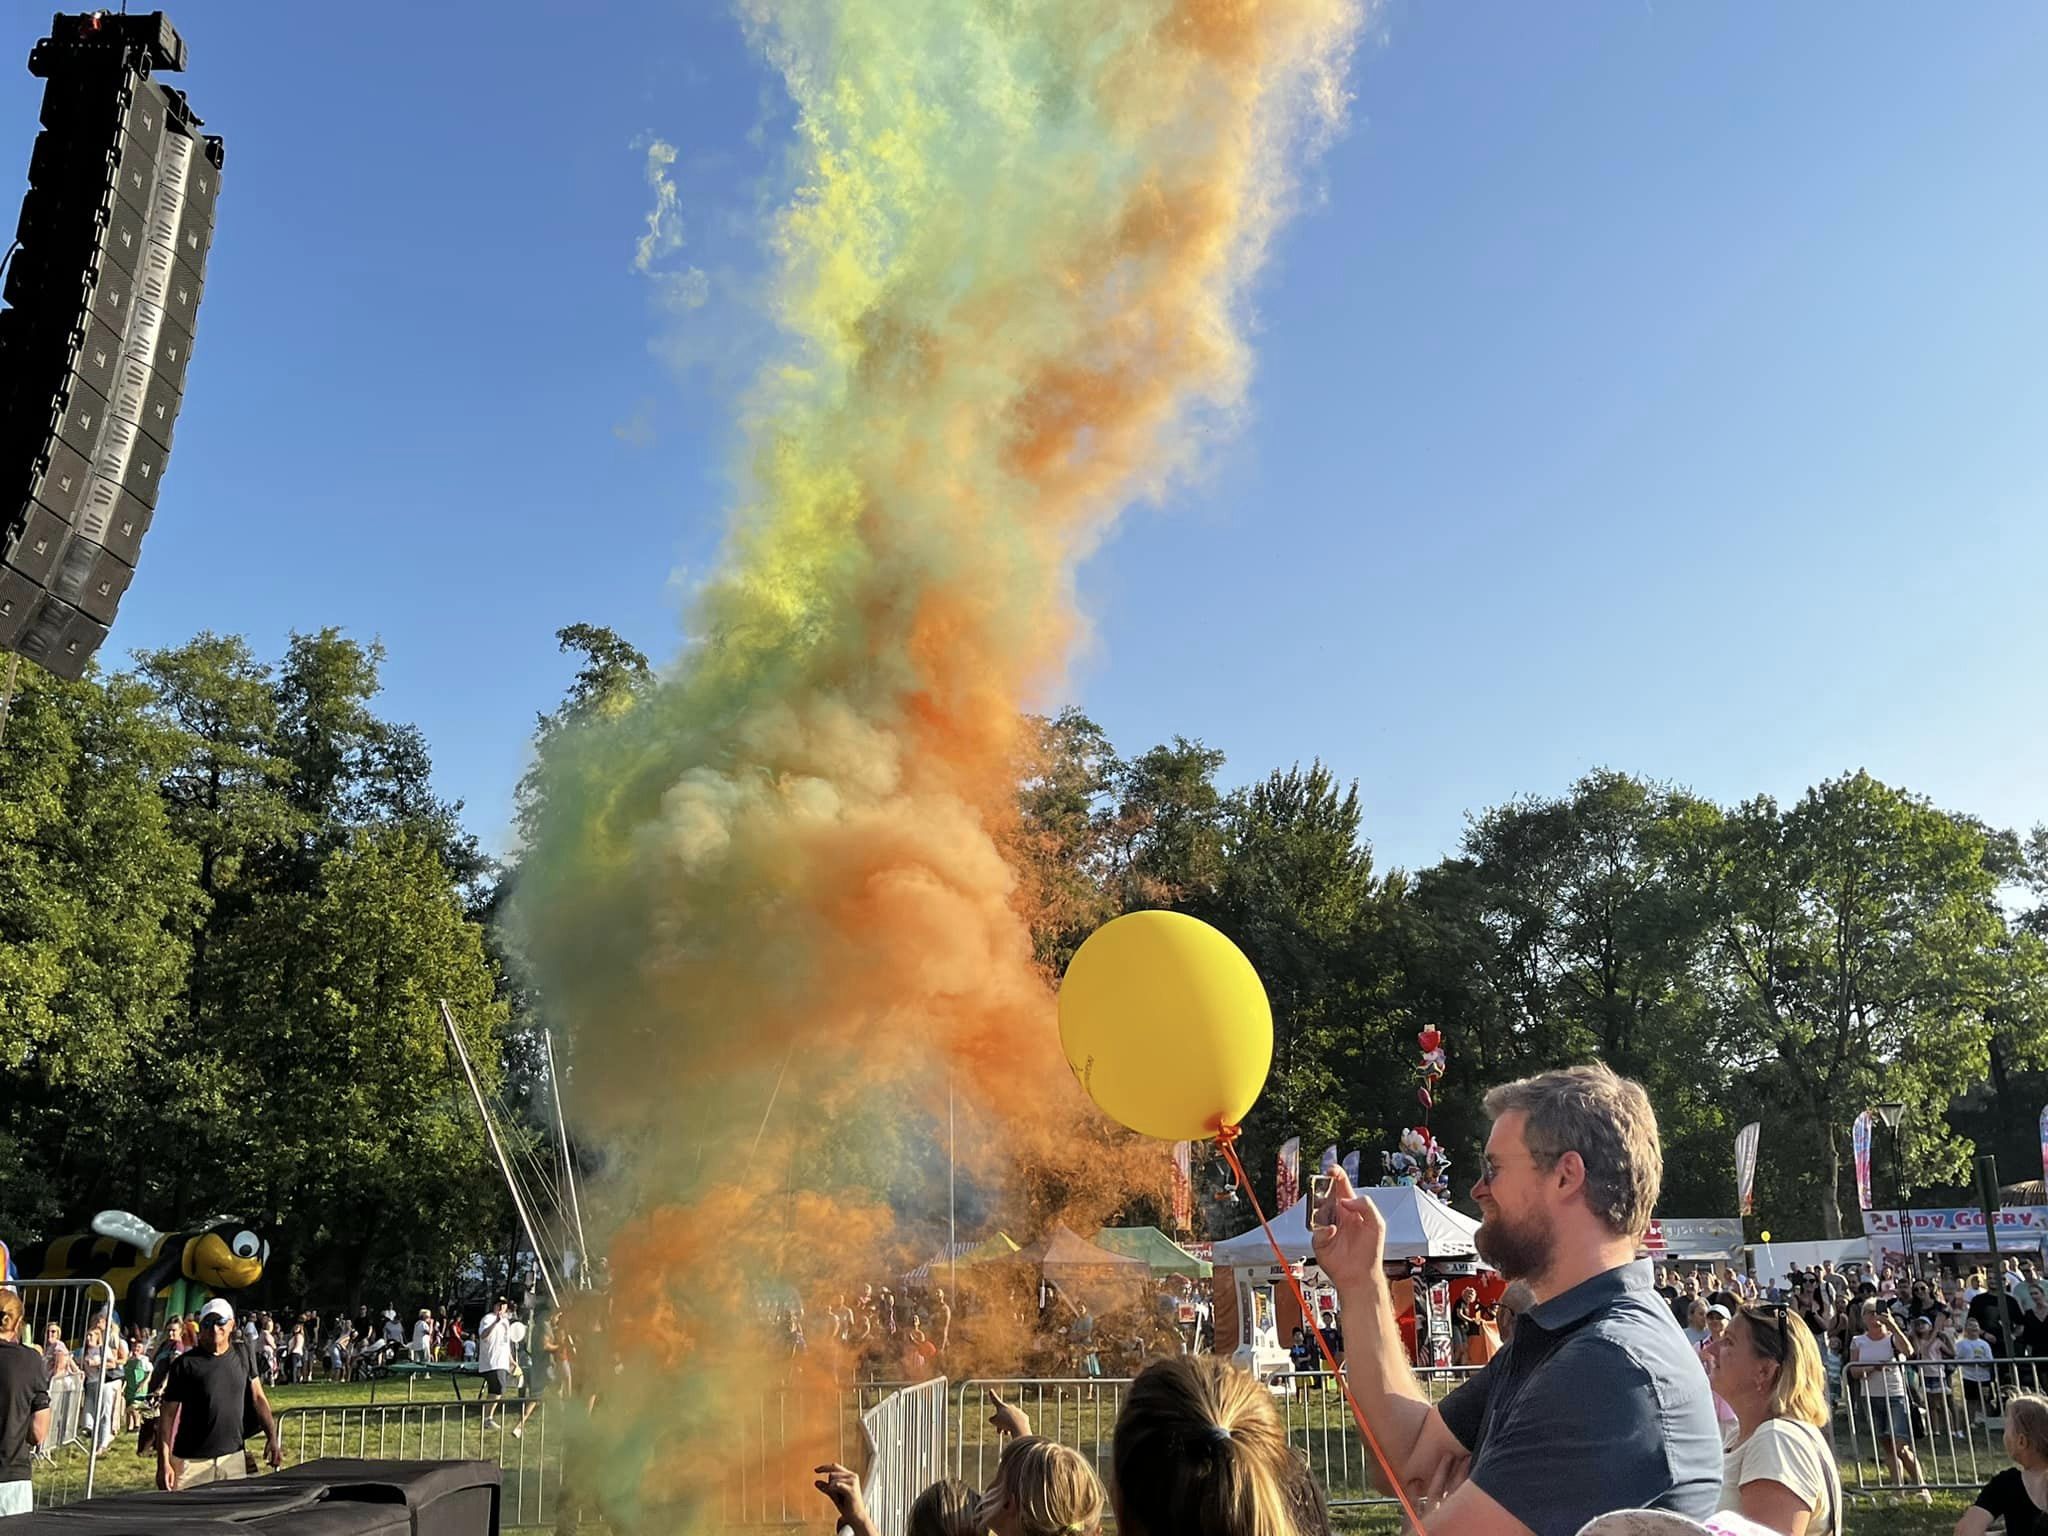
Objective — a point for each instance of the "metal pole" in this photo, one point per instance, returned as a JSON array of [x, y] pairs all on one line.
[[1905, 1197], [952, 1210], [504, 1164], [1987, 1197], [568, 1161]]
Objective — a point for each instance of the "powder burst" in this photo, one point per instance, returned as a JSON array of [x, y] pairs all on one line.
[[771, 903]]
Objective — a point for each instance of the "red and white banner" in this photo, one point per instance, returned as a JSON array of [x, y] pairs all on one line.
[[1287, 1176], [1745, 1168], [1183, 1188]]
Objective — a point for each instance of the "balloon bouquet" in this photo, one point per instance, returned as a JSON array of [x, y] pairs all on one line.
[[1168, 1029], [1422, 1160]]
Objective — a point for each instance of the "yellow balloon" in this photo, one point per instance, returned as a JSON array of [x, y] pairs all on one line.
[[1767, 1237], [1166, 1025]]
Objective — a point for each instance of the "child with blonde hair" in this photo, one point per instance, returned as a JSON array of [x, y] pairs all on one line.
[[1042, 1488]]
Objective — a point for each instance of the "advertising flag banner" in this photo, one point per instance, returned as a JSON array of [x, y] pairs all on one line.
[[1859, 1141], [1183, 1187], [1287, 1176], [1745, 1168]]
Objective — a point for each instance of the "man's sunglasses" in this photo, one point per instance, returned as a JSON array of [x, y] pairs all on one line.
[[213, 1322]]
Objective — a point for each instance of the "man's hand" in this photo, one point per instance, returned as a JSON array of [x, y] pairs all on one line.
[[1350, 1237], [273, 1452], [1008, 1418], [166, 1475], [842, 1487]]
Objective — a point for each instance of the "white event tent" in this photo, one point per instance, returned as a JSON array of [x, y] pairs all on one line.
[[1419, 1226]]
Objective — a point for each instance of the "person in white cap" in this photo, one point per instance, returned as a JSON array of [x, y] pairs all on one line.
[[206, 1393]]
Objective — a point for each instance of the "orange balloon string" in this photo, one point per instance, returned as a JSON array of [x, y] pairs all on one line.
[[1226, 1140]]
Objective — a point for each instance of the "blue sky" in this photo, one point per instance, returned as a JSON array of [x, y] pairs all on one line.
[[1656, 386]]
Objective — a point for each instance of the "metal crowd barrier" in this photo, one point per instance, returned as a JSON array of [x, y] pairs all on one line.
[[516, 1438], [86, 1417], [782, 1435], [1947, 1433], [1081, 1412], [906, 1451]]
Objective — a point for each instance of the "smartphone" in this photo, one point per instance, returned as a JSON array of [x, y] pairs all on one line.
[[1318, 1190]]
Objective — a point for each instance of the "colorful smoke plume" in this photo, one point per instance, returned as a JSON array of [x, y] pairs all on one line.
[[771, 903]]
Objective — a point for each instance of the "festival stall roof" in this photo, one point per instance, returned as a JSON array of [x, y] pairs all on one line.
[[997, 1247], [1162, 1253], [1060, 1255], [1419, 1226]]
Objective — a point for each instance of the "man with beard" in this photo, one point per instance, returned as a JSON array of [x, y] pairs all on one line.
[[1600, 1404]]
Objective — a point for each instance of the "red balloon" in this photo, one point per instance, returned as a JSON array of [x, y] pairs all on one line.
[[1429, 1039]]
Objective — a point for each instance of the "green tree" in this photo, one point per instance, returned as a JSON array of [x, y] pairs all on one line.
[[1166, 839], [365, 1124], [98, 905], [1860, 941], [1061, 846]]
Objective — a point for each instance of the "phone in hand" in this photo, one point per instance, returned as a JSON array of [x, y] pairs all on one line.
[[1319, 1186]]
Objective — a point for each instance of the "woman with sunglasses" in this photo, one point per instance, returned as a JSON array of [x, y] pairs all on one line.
[[1780, 1470]]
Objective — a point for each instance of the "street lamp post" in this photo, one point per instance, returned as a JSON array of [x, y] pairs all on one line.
[[1894, 1115]]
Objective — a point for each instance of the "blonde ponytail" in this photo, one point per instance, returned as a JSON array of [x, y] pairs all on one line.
[[1200, 1451]]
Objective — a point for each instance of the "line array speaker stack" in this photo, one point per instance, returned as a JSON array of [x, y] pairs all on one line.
[[102, 297]]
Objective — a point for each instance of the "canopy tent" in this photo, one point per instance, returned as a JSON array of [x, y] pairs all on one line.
[[1419, 1226], [1062, 1256], [997, 1247], [1001, 1246], [1160, 1252]]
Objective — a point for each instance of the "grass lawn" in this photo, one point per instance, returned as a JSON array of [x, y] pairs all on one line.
[[339, 1419]]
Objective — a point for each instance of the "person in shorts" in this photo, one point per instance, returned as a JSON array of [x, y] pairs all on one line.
[[494, 1354], [207, 1392], [1874, 1356]]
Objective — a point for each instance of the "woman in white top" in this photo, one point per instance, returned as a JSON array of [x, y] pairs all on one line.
[[1780, 1470]]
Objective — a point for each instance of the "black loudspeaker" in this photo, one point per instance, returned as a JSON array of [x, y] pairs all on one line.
[[103, 295], [334, 1496]]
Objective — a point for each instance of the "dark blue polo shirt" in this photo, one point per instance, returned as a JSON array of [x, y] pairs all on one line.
[[1599, 1403]]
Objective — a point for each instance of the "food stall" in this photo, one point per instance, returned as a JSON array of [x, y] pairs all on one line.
[[1429, 1247]]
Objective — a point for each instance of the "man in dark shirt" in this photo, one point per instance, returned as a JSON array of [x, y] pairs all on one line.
[[24, 1408], [1600, 1403], [2034, 1328], [206, 1393]]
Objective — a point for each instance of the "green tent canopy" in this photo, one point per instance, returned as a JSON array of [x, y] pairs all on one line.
[[1162, 1253]]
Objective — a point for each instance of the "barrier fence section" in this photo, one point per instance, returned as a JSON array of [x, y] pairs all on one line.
[[513, 1432], [86, 1409], [1928, 1424], [1082, 1411], [905, 1436], [776, 1442]]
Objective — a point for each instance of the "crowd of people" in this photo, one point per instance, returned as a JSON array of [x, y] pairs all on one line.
[[194, 1390], [1598, 1385], [1608, 1387]]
